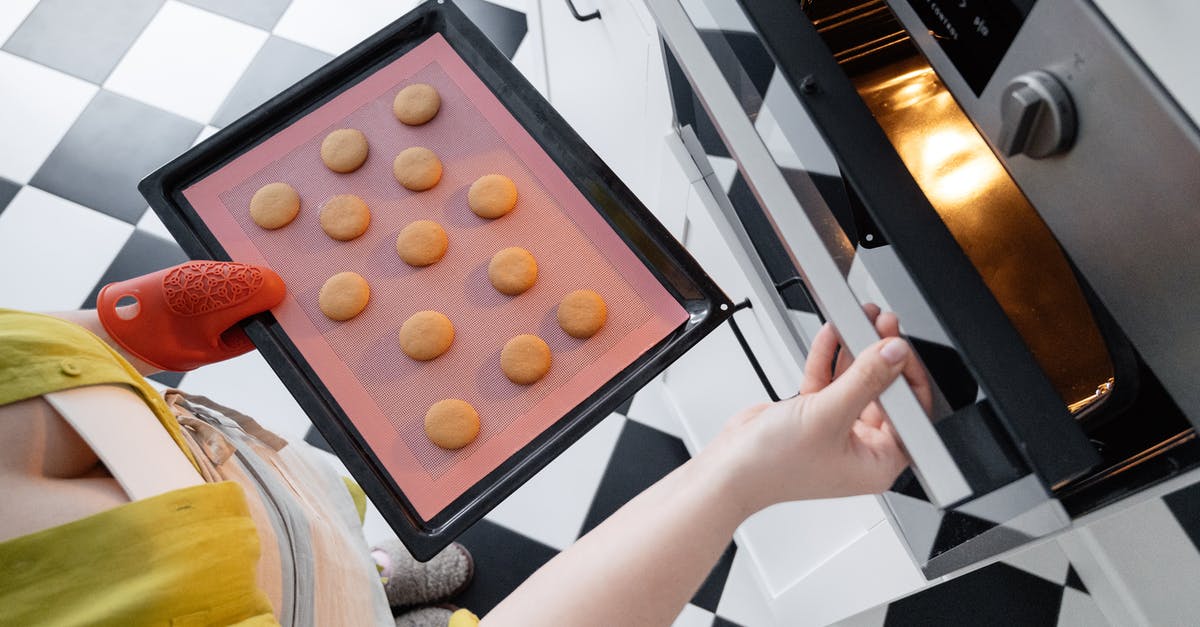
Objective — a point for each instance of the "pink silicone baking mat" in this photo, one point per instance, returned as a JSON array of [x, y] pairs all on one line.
[[385, 393]]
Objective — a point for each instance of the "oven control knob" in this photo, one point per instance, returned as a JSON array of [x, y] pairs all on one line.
[[1037, 117]]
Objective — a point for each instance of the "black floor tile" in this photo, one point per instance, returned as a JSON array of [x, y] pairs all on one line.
[[623, 408], [504, 26], [642, 456], [169, 379], [278, 64], [503, 560], [1073, 580], [1185, 506], [709, 594], [261, 13], [315, 438], [719, 621], [83, 39], [142, 254], [8, 190], [113, 145], [995, 595]]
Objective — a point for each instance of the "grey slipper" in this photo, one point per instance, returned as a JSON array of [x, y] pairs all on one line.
[[409, 582], [425, 617]]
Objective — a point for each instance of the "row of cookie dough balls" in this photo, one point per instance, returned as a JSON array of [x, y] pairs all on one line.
[[276, 205], [525, 359]]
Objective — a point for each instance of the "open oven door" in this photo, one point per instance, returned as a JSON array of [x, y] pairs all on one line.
[[986, 466]]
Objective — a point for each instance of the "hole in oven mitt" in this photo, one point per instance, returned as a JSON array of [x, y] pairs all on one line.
[[184, 317]]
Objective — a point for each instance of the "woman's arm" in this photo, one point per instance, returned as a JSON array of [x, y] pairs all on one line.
[[643, 564]]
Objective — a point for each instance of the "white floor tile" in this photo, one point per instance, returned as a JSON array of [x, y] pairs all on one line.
[[248, 384], [743, 600], [152, 224], [693, 616], [334, 27], [205, 133], [651, 407], [551, 507], [1080, 610], [186, 61], [873, 617], [12, 13], [53, 251], [1045, 560], [38, 106]]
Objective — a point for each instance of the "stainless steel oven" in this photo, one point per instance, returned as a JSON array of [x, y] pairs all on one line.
[[1036, 190]]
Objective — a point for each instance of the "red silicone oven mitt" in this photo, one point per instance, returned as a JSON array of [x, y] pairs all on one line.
[[187, 315]]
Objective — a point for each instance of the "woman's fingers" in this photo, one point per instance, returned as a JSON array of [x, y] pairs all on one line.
[[888, 325], [818, 368], [841, 403]]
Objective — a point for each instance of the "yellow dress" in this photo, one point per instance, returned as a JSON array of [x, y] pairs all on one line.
[[183, 558]]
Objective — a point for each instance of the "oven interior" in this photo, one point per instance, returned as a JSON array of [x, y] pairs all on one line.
[[1118, 402]]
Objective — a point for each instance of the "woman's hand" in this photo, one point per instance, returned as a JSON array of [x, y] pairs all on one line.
[[831, 440]]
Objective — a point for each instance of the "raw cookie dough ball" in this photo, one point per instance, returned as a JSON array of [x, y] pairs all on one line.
[[345, 217], [513, 270], [451, 423], [416, 104], [426, 335], [581, 313], [344, 150], [344, 296], [417, 168], [492, 196], [422, 243], [274, 205], [525, 359]]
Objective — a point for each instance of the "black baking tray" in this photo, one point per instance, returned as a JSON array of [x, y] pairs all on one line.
[[665, 257]]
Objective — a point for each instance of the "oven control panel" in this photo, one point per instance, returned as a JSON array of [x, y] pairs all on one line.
[[1037, 116], [975, 34]]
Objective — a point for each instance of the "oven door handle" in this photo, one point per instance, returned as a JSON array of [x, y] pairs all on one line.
[[935, 468]]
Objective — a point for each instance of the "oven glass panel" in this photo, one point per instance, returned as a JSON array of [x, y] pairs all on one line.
[[975, 34], [982, 207]]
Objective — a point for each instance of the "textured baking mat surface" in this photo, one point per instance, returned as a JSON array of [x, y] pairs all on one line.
[[385, 393]]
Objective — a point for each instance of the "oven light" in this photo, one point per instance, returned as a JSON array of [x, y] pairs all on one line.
[[955, 165]]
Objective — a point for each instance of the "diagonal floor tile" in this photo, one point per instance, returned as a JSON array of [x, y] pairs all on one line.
[[505, 27], [551, 507], [53, 251], [113, 144], [278, 65], [260, 13], [642, 456], [336, 26], [174, 64], [743, 600], [994, 595], [38, 107], [84, 39], [1080, 610], [693, 616], [12, 15], [503, 560], [142, 254], [8, 190]]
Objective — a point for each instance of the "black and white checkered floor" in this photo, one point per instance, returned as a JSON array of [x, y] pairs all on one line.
[[96, 95]]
